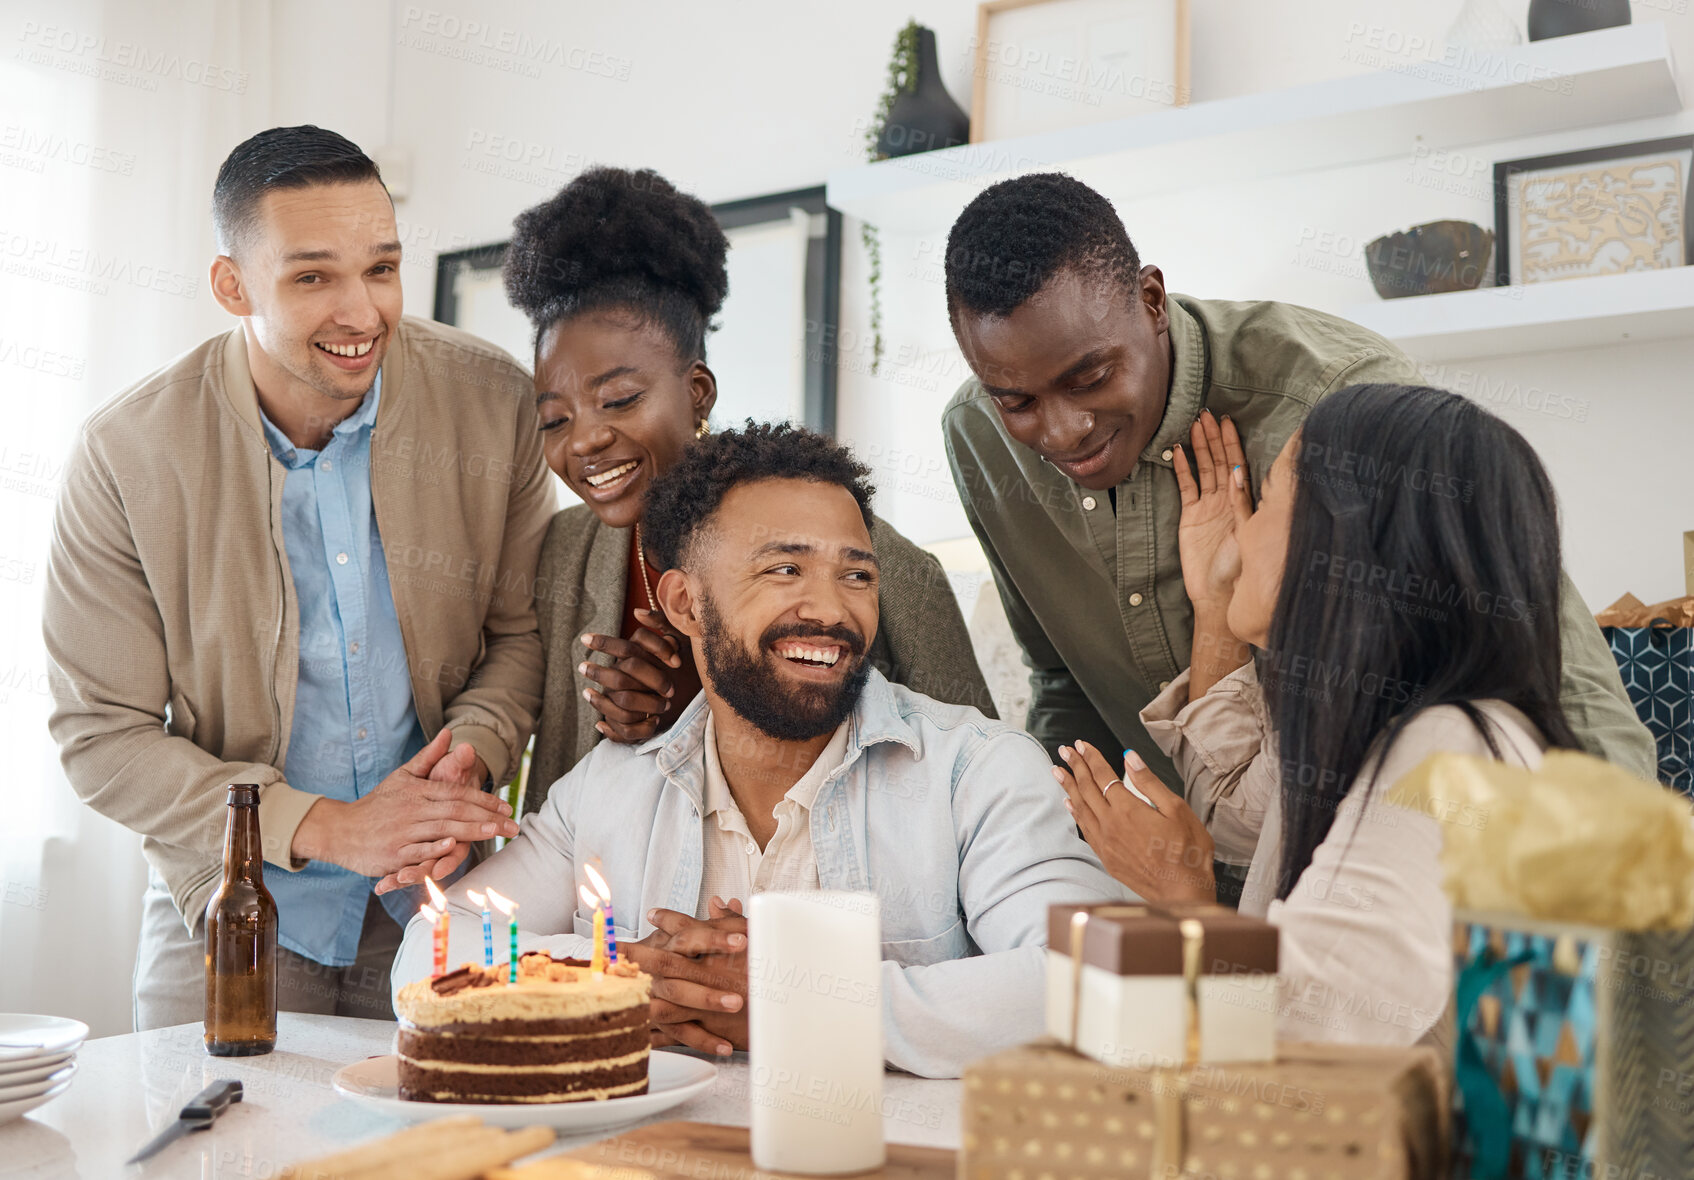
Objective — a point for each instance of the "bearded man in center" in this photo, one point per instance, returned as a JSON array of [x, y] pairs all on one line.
[[797, 767]]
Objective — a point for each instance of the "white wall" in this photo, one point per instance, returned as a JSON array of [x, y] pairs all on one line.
[[733, 100]]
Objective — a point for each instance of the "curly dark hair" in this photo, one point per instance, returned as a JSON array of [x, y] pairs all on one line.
[[681, 500], [615, 238], [1018, 234]]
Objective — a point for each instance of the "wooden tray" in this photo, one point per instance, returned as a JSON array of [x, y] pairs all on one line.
[[682, 1149]]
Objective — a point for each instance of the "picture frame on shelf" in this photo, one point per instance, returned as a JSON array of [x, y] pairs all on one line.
[[1043, 65], [1604, 210]]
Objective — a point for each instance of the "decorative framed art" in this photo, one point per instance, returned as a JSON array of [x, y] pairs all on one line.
[[1600, 211], [1041, 65]]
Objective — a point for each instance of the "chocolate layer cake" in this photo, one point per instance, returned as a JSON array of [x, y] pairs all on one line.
[[562, 1034]]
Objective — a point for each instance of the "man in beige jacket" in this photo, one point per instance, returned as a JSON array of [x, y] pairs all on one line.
[[301, 555]]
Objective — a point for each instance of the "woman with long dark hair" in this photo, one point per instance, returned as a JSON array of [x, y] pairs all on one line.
[[1399, 580]]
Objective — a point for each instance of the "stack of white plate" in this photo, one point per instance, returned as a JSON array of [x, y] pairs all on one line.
[[37, 1060]]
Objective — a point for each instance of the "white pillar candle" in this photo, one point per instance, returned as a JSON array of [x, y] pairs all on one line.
[[814, 968]]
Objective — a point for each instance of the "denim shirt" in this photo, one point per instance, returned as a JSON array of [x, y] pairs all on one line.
[[353, 716], [952, 819]]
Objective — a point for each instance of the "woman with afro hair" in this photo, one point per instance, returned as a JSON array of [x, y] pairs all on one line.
[[620, 275]]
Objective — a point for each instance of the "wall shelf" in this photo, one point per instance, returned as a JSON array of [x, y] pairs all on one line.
[[1608, 76], [1537, 317]]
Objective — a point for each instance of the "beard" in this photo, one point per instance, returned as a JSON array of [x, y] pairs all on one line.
[[747, 680]]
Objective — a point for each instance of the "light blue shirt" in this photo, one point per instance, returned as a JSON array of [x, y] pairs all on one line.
[[353, 716], [952, 819]]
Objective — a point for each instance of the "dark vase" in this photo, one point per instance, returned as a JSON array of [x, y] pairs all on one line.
[[1560, 18], [925, 117]]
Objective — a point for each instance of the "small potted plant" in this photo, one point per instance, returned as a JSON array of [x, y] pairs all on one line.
[[915, 114]]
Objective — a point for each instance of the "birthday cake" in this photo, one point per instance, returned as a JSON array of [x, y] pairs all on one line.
[[562, 1033]]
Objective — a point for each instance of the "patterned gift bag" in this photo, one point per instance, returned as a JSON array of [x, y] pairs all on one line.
[[1657, 664], [1574, 1053], [1654, 649]]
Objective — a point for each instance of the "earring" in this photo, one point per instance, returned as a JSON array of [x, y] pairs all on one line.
[[702, 430]]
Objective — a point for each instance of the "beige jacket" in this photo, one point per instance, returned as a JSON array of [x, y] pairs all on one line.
[[170, 619], [1367, 931]]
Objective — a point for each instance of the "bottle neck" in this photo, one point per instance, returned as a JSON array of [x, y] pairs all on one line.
[[243, 858]]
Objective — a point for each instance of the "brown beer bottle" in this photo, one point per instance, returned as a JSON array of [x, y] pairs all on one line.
[[241, 941]]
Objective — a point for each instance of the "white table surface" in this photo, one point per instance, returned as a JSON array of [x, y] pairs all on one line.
[[129, 1087]]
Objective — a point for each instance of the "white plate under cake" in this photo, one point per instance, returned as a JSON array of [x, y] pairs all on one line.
[[562, 1033], [673, 1078]]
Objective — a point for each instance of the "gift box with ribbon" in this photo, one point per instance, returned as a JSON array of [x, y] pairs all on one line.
[[1322, 1112], [1162, 977], [1145, 986]]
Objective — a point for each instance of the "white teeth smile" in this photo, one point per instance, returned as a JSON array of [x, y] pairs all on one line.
[[606, 477], [813, 655], [348, 350]]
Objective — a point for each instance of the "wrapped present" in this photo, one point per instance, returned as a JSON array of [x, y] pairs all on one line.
[[1574, 966], [1323, 1112], [1654, 650], [1143, 986], [1575, 1051]]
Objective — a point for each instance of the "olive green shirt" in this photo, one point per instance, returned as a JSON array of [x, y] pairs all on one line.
[[1095, 596]]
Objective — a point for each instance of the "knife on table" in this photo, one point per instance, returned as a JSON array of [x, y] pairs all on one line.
[[196, 1116]]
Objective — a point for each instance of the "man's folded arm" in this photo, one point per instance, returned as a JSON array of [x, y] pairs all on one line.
[[939, 1018], [111, 685], [1019, 854]]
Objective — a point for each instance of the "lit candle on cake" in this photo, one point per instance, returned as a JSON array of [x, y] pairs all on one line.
[[487, 928], [510, 909], [598, 963], [605, 892], [439, 929], [438, 906]]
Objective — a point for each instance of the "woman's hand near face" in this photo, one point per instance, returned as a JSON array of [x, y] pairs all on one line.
[[1162, 851], [635, 692], [1215, 500]]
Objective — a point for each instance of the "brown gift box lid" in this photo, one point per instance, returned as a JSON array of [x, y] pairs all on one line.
[[1141, 939], [1319, 1112]]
